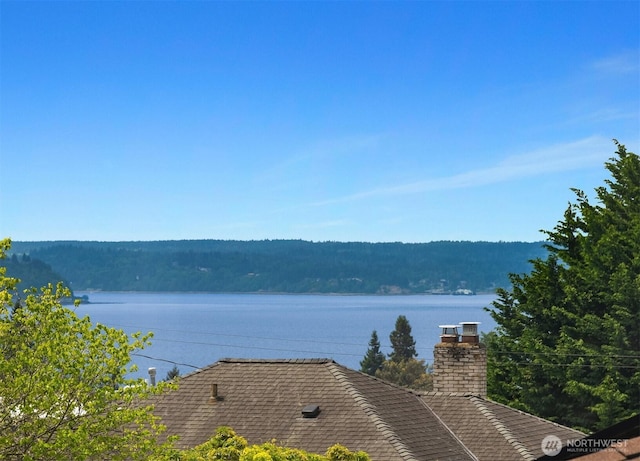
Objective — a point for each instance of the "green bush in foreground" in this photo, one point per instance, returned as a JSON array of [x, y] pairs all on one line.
[[226, 445]]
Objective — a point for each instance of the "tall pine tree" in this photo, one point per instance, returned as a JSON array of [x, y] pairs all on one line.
[[402, 343], [374, 358], [567, 345]]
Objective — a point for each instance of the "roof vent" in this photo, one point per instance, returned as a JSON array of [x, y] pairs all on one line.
[[470, 332], [213, 396], [152, 375], [449, 333], [311, 411]]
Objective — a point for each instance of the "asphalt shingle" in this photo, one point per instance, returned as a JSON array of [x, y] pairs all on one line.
[[263, 400], [493, 431]]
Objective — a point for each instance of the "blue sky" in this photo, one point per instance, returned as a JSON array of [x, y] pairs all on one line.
[[347, 121]]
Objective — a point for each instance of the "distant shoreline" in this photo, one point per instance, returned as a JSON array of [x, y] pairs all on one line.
[[87, 294]]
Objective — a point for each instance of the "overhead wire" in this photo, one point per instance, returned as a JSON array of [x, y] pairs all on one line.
[[202, 343], [561, 354], [137, 354], [262, 338], [523, 354], [581, 365], [191, 332]]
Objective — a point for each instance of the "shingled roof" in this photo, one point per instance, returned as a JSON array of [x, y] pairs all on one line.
[[263, 400], [493, 431]]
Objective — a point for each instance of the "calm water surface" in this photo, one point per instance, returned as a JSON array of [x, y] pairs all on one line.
[[195, 329]]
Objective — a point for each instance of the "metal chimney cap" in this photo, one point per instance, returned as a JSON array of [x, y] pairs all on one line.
[[447, 326], [152, 371], [470, 332]]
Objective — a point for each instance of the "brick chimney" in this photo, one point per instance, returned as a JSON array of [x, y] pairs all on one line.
[[460, 361]]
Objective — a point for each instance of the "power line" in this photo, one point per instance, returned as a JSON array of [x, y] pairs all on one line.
[[582, 365], [522, 354], [202, 343], [560, 354], [164, 360], [265, 338]]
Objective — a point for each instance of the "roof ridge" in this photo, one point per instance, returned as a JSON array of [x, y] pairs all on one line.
[[371, 411], [250, 360], [529, 414], [443, 424], [283, 360], [446, 394], [451, 432], [501, 428], [400, 387], [199, 370]]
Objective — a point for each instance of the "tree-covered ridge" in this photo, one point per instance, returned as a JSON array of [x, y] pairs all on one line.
[[290, 266], [31, 272]]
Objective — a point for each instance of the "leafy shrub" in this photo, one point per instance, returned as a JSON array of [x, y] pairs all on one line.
[[226, 445]]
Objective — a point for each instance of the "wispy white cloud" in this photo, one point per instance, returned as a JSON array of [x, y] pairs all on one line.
[[575, 155], [623, 63], [320, 151], [609, 114]]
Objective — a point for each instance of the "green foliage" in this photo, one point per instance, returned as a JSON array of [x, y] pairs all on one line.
[[292, 266], [226, 445], [374, 358], [403, 368], [340, 453], [402, 343], [173, 374], [568, 338], [411, 373], [64, 394]]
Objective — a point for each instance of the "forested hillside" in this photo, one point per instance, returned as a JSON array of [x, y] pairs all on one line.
[[290, 266], [31, 272]]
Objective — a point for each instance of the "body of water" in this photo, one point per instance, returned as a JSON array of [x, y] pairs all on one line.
[[194, 329]]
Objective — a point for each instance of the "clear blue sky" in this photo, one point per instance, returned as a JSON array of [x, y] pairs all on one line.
[[348, 121]]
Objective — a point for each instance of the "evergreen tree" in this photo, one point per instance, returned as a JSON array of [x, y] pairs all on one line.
[[374, 358], [173, 374], [402, 343], [568, 337]]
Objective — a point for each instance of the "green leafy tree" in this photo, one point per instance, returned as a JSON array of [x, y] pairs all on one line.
[[374, 358], [402, 342], [411, 373], [568, 337], [64, 394], [228, 446]]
